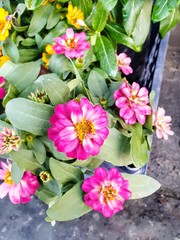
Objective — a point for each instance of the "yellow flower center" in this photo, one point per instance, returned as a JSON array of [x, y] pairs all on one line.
[[83, 128], [109, 193], [7, 178], [70, 43]]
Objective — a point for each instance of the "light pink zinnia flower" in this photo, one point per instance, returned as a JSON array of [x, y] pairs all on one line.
[[133, 103], [2, 90], [106, 191], [9, 141], [18, 193], [162, 124], [71, 44], [78, 128], [124, 63]]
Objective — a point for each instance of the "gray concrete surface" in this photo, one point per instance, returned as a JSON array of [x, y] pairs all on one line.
[[153, 218]]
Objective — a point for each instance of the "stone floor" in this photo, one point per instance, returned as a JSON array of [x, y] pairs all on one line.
[[153, 218]]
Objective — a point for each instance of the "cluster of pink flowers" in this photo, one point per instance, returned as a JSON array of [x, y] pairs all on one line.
[[78, 128], [18, 193], [106, 191], [73, 45], [133, 103], [2, 90], [162, 124], [124, 63]]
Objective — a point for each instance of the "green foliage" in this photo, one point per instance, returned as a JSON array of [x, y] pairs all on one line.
[[64, 172], [105, 54], [29, 116], [11, 50], [32, 4], [141, 185], [70, 206]]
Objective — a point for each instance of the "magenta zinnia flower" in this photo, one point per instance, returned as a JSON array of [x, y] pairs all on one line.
[[162, 124], [2, 90], [18, 193], [9, 141], [133, 103], [106, 191], [71, 44], [124, 63], [78, 128]]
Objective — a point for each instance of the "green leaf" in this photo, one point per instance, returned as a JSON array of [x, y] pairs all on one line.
[[38, 149], [21, 7], [131, 10], [11, 93], [60, 64], [30, 116], [172, 4], [27, 55], [11, 50], [39, 19], [64, 172], [57, 90], [106, 55], [59, 30], [20, 28], [69, 206], [160, 10], [45, 195], [20, 75], [90, 163], [108, 5], [169, 22], [138, 146], [100, 18], [4, 124], [51, 148], [84, 5], [116, 149], [118, 34], [16, 173], [28, 42], [141, 185], [32, 4], [96, 82], [53, 19], [26, 161], [142, 26]]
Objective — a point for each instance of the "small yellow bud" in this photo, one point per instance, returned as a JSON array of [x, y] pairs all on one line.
[[45, 176]]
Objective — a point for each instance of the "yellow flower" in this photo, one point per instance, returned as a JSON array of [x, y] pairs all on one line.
[[75, 16], [49, 49], [3, 59], [5, 25], [46, 1], [46, 55]]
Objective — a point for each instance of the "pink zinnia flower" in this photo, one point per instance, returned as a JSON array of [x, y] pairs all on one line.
[[2, 90], [106, 191], [78, 128], [133, 103], [18, 193], [9, 141], [124, 63], [162, 124], [71, 44]]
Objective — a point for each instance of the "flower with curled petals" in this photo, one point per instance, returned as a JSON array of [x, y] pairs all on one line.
[[124, 63], [73, 45], [132, 102], [106, 191], [18, 193], [78, 128], [162, 124]]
